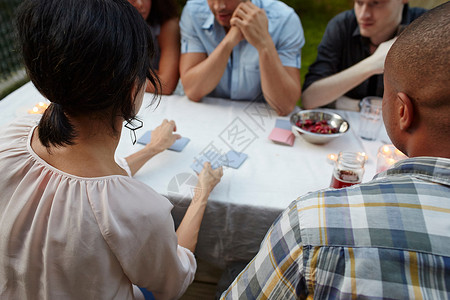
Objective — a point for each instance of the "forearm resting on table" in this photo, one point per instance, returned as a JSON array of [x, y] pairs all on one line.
[[189, 228], [326, 90], [280, 85], [201, 78]]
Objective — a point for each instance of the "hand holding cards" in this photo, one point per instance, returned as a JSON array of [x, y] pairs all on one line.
[[232, 159], [177, 146], [163, 138]]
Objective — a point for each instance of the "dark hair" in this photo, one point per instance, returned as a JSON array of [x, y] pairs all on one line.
[[161, 11], [86, 57]]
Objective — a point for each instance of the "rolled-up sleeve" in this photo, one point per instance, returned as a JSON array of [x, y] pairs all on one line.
[[290, 42], [190, 41]]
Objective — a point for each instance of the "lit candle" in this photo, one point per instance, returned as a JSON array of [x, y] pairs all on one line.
[[387, 156], [391, 161], [39, 108], [331, 158], [386, 150], [363, 154]]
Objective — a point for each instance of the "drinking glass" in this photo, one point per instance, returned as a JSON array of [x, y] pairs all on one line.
[[370, 118], [348, 169]]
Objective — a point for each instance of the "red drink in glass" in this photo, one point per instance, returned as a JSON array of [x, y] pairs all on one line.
[[348, 170], [345, 178]]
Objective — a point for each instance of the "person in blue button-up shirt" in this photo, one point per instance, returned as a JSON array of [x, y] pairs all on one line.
[[242, 50]]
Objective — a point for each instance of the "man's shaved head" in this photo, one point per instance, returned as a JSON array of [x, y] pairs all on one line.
[[418, 65]]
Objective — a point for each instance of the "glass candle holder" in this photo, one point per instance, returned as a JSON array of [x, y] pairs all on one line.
[[387, 156], [348, 169]]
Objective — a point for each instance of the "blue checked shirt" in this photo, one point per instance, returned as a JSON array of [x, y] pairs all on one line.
[[385, 239], [241, 80]]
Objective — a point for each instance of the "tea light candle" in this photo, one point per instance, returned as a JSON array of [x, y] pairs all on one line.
[[39, 108], [363, 154], [331, 158], [387, 156]]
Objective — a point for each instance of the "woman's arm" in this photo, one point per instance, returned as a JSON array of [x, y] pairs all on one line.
[[168, 68], [188, 230], [162, 138]]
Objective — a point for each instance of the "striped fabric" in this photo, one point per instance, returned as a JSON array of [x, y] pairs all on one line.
[[385, 239]]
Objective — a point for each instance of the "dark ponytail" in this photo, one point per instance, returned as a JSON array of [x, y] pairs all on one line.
[[55, 128]]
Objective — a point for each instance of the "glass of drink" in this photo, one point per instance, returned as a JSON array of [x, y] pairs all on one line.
[[348, 169], [370, 118]]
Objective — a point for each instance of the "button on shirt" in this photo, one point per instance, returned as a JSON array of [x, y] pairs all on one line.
[[388, 238], [201, 33]]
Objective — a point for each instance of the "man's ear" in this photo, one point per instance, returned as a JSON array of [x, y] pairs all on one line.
[[405, 110]]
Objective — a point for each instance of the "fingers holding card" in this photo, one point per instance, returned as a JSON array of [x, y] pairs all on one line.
[[177, 146], [232, 159]]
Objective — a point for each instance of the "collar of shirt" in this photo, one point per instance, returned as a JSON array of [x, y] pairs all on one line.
[[434, 169], [209, 22]]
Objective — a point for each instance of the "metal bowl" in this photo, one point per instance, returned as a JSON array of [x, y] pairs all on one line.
[[334, 121]]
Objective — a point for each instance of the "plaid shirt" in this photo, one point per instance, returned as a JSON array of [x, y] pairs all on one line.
[[388, 238]]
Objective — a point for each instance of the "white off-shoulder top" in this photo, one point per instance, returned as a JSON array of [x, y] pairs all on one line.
[[69, 237]]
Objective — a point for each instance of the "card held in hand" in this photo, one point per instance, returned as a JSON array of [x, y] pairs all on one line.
[[177, 146]]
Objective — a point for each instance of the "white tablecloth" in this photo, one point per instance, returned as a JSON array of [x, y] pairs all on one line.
[[247, 200]]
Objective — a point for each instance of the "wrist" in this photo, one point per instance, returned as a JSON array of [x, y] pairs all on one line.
[[202, 193], [153, 150], [229, 42], [266, 48], [369, 66]]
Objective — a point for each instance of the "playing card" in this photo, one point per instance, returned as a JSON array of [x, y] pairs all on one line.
[[177, 146], [214, 158], [235, 159], [283, 124]]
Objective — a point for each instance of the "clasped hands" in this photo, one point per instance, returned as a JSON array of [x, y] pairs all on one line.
[[249, 22]]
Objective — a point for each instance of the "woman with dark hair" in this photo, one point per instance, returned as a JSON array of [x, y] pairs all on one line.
[[162, 17], [74, 223]]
